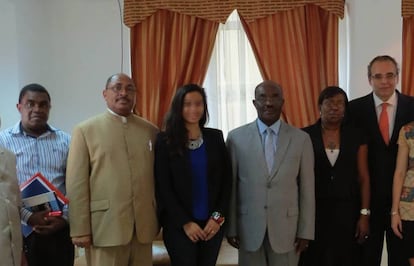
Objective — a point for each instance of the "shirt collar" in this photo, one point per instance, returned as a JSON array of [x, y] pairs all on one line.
[[17, 129], [262, 126], [391, 101], [123, 118]]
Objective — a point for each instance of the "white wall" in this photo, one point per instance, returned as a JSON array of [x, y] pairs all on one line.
[[8, 63], [375, 29], [72, 46]]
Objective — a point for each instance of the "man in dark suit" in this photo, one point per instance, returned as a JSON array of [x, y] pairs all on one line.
[[394, 109]]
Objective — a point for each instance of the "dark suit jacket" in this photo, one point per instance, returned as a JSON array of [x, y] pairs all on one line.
[[381, 158], [340, 181], [174, 179]]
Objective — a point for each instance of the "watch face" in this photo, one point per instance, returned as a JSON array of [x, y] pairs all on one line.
[[216, 215], [365, 212]]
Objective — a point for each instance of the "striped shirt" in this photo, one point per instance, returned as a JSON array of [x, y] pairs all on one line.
[[46, 154]]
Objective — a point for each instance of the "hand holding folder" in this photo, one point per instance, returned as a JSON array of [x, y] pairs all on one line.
[[39, 195]]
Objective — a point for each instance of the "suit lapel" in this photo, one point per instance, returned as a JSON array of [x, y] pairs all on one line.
[[399, 117], [283, 142], [372, 118], [372, 114], [319, 146], [254, 141]]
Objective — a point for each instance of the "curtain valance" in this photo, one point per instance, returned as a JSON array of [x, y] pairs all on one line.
[[136, 11], [407, 8]]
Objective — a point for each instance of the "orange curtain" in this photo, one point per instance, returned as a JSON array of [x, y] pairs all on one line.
[[168, 50], [407, 83], [299, 50]]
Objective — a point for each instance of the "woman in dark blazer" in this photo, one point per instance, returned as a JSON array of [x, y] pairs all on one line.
[[193, 181], [341, 185]]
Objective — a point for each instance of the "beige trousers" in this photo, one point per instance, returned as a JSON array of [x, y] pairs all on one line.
[[132, 254]]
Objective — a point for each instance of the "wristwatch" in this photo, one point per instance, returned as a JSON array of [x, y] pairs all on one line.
[[218, 218], [365, 211]]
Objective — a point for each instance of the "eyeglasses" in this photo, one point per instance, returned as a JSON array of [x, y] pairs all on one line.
[[388, 76], [118, 89], [31, 105]]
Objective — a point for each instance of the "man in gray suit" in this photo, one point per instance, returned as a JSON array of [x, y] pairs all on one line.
[[272, 213]]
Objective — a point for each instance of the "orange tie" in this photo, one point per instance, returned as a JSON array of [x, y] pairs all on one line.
[[383, 123]]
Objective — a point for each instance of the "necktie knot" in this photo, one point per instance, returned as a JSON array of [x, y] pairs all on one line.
[[269, 131]]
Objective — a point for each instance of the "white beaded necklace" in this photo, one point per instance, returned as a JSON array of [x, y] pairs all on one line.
[[195, 143]]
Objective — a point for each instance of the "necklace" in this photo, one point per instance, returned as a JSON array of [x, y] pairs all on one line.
[[331, 146], [331, 138], [195, 143]]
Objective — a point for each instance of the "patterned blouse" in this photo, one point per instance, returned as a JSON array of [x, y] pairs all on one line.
[[406, 138]]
